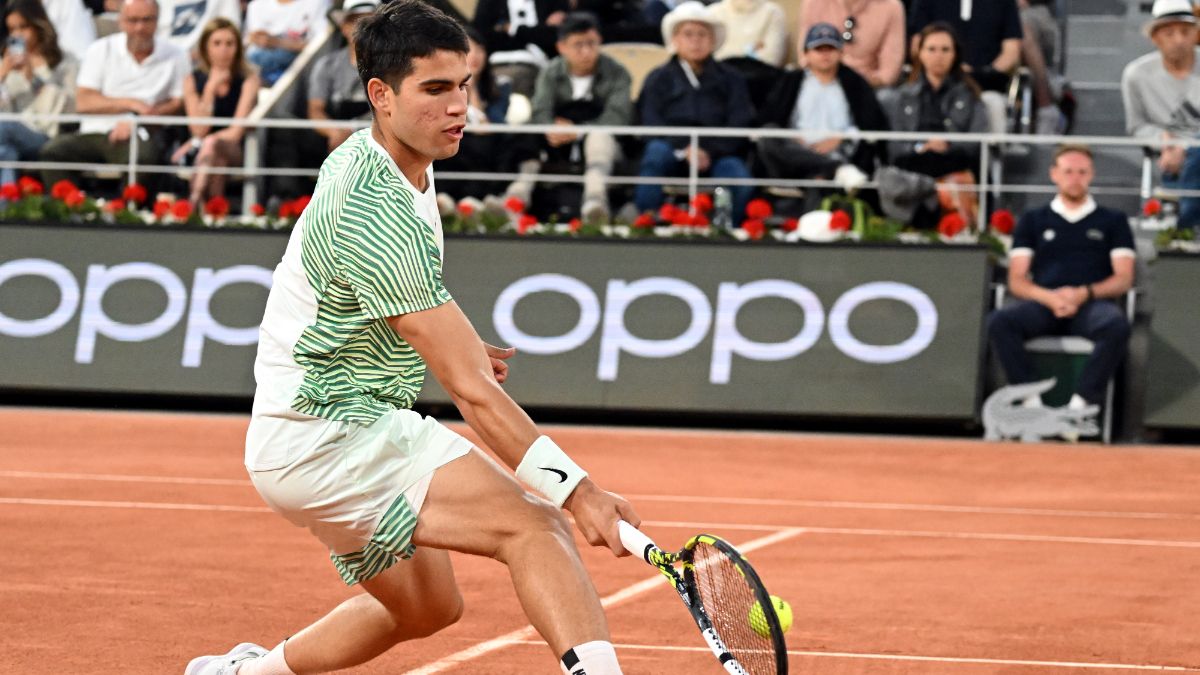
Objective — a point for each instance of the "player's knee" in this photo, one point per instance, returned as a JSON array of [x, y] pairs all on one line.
[[430, 619], [536, 521]]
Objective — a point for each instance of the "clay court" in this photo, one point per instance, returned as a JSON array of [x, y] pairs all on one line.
[[134, 541]]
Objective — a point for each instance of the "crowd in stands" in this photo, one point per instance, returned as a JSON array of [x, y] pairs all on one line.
[[823, 68]]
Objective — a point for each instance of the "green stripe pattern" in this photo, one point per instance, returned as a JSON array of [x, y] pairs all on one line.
[[392, 538], [368, 256]]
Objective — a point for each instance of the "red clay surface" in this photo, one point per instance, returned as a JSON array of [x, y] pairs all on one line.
[[133, 542]]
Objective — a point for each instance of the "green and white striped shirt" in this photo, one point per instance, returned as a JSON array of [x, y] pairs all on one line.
[[369, 246]]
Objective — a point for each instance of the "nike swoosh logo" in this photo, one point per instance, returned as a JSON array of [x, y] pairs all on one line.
[[562, 475]]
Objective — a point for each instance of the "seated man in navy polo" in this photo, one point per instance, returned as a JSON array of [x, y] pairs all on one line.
[[1069, 261]]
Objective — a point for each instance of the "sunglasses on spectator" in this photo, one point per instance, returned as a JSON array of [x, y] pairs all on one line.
[[848, 33]]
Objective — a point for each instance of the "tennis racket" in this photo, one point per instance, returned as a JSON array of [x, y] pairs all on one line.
[[720, 588]]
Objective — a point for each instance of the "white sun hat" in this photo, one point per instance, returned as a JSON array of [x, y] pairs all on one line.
[[1168, 11], [693, 11]]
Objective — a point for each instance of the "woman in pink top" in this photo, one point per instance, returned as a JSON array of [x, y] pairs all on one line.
[[872, 30]]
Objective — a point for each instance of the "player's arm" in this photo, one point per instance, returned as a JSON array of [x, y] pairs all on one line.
[[460, 361]]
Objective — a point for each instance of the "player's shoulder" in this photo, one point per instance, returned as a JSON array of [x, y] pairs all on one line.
[[359, 172]]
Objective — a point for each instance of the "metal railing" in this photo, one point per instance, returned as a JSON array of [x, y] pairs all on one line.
[[252, 169]]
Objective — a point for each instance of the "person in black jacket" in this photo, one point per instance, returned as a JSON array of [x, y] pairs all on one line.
[[822, 101], [694, 90], [520, 37]]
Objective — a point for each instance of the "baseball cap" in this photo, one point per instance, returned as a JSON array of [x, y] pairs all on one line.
[[352, 7], [822, 34]]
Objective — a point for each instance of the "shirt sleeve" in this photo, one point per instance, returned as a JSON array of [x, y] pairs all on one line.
[[1122, 239], [1024, 237], [183, 67], [388, 254], [1013, 30], [91, 71]]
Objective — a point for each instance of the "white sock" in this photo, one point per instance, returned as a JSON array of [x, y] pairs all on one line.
[[271, 664], [1077, 402], [591, 658]]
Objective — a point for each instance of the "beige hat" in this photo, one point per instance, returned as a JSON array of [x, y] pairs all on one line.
[[692, 11], [351, 7], [1168, 11]]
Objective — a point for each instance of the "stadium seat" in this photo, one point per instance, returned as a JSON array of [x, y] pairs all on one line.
[[639, 58]]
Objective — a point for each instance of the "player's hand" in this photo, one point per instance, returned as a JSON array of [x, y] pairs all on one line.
[[497, 355], [596, 514]]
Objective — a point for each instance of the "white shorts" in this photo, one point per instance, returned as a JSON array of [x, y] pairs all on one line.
[[357, 488]]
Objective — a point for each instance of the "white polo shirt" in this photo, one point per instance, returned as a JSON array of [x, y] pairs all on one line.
[[110, 69]]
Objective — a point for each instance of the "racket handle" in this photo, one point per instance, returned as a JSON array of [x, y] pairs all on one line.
[[634, 541]]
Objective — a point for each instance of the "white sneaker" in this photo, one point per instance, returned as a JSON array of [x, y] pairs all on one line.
[[225, 664], [850, 178], [594, 212]]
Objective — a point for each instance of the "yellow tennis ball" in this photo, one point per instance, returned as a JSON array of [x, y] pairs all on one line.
[[758, 621]]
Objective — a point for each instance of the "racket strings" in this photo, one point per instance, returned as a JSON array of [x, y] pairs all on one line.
[[728, 598]]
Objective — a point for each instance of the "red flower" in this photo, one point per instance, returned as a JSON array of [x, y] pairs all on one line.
[[74, 199], [10, 191], [666, 213], [29, 186], [700, 220], [465, 209], [1002, 221], [951, 224], [287, 210], [217, 207], [702, 202], [161, 208], [300, 203], [644, 221], [514, 204], [840, 222], [575, 224], [181, 209], [759, 209], [257, 209], [62, 189], [754, 227], [526, 223], [134, 193], [1152, 207], [115, 206], [791, 224]]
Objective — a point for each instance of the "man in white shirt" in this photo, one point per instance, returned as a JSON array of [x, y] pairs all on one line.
[[129, 72], [182, 21], [276, 31]]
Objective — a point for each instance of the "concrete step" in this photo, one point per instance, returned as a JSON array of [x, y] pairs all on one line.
[[1098, 7], [1100, 111]]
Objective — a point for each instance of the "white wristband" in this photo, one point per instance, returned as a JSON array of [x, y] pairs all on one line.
[[548, 470]]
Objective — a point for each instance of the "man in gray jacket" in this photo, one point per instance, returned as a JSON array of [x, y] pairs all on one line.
[[1162, 98], [580, 87]]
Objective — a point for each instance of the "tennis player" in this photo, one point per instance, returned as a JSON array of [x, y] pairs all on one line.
[[356, 313]]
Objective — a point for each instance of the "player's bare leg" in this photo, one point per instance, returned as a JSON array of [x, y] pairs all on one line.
[[412, 599], [474, 506]]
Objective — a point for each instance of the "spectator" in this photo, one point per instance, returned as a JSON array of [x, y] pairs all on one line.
[[939, 98], [519, 34], [581, 86], [126, 72], [36, 78], [1162, 98], [335, 91], [1038, 51], [990, 34], [222, 86], [1069, 261], [481, 151], [755, 29], [822, 101], [277, 30], [873, 33], [620, 20], [694, 90], [184, 21], [73, 24]]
